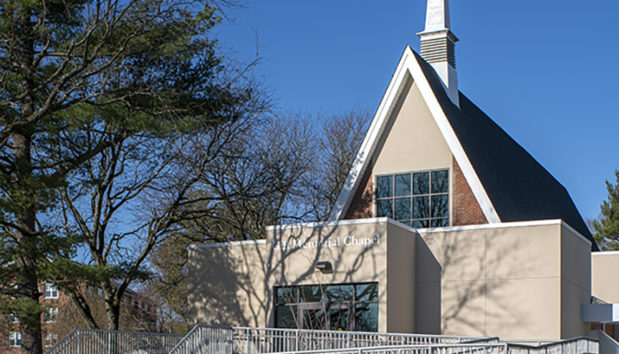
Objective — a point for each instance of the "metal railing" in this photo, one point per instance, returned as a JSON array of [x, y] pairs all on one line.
[[573, 345], [203, 339], [213, 339], [99, 341], [490, 348]]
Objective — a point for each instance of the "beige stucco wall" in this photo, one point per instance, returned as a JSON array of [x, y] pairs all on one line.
[[427, 290], [234, 285], [400, 280], [513, 280], [226, 285], [575, 282], [413, 140], [605, 276], [510, 281], [351, 264]]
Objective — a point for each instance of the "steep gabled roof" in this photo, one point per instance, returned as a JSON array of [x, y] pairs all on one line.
[[508, 183]]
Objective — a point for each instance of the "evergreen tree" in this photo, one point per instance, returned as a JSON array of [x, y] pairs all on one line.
[[78, 77], [607, 226]]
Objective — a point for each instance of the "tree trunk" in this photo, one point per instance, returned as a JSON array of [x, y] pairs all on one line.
[[23, 194], [112, 310], [26, 238]]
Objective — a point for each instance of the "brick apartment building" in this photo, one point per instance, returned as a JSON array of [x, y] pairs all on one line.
[[61, 317]]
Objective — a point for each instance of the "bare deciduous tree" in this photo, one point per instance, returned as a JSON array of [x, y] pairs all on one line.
[[287, 169]]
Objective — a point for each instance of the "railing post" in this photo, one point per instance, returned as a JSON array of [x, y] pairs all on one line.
[[248, 341], [231, 340], [200, 341], [297, 345], [348, 340]]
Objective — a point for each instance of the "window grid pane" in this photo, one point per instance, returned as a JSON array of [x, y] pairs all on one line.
[[421, 183], [440, 181], [384, 187], [384, 207], [403, 185], [402, 208], [419, 199]]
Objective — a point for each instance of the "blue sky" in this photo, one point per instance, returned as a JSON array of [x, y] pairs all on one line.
[[547, 71]]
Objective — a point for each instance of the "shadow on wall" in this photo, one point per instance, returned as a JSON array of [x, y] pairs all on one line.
[[489, 283], [233, 285], [217, 282], [296, 265]]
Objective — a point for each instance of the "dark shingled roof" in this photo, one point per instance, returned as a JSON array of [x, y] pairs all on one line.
[[519, 187]]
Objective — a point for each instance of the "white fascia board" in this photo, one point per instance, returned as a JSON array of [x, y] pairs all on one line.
[[600, 313], [452, 140], [510, 224], [227, 244], [371, 139], [327, 223], [491, 226], [408, 64], [605, 253]]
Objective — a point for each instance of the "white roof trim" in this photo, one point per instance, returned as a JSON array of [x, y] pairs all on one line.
[[408, 63], [328, 223], [227, 244], [370, 141], [492, 226], [424, 231], [507, 225], [605, 253]]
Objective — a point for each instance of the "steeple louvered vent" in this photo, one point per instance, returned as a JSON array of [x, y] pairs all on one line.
[[438, 46]]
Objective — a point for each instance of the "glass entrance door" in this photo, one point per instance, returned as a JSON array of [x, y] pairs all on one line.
[[312, 316], [345, 307], [324, 316], [339, 317]]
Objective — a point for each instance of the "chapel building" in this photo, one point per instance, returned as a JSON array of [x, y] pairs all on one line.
[[444, 225]]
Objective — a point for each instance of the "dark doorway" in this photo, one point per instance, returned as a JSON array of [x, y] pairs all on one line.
[[344, 307]]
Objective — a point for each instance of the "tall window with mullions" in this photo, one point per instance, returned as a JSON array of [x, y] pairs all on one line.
[[419, 199]]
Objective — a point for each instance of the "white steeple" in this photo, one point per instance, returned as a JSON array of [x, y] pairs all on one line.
[[438, 46]]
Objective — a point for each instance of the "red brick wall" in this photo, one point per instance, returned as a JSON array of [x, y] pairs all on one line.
[[466, 210], [361, 204], [5, 328], [610, 329]]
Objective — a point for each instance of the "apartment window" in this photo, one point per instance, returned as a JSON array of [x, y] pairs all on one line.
[[13, 318], [418, 199], [50, 315], [333, 306], [14, 339], [50, 339], [51, 291]]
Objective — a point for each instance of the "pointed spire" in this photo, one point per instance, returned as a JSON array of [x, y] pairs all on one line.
[[438, 46], [437, 16]]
